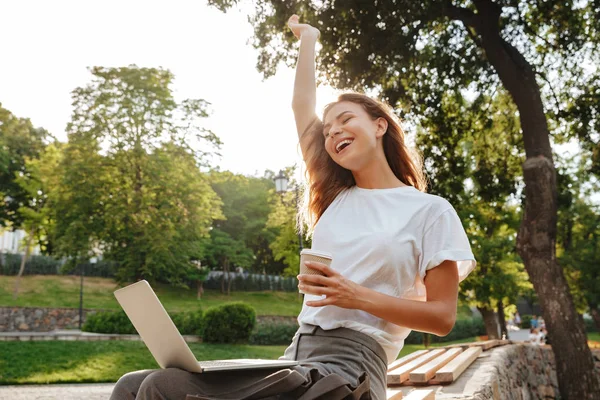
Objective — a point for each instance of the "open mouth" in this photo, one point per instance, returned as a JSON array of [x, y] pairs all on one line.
[[341, 146]]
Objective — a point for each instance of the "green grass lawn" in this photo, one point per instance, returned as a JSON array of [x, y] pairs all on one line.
[[79, 362], [63, 291], [595, 336]]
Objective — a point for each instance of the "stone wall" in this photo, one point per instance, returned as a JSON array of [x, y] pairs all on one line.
[[512, 372], [520, 371], [36, 319]]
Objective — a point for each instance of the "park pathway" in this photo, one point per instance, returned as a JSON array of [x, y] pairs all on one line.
[[97, 391]]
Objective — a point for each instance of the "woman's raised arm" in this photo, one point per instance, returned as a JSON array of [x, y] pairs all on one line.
[[304, 99]]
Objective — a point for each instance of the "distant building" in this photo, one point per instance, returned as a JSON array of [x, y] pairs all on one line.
[[13, 242]]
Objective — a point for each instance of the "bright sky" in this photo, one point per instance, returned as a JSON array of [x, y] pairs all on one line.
[[48, 45]]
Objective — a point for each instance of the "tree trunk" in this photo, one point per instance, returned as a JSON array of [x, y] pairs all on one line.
[[225, 279], [596, 316], [490, 321], [199, 285], [23, 261], [502, 319], [426, 340], [577, 377]]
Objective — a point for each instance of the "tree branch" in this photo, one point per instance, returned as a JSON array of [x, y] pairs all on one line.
[[466, 16], [472, 35]]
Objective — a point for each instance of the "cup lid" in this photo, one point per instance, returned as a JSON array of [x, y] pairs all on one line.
[[316, 253]]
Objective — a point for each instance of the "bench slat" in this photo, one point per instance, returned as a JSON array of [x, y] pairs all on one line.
[[409, 357], [425, 372], [393, 394], [485, 345], [400, 374], [451, 371]]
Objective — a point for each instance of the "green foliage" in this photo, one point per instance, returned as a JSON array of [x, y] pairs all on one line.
[[525, 321], [130, 181], [285, 245], [229, 323], [19, 142], [35, 265], [273, 333], [579, 234], [246, 207], [108, 322], [463, 328], [188, 323], [590, 326]]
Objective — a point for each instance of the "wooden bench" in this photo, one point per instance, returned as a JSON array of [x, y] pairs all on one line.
[[438, 366]]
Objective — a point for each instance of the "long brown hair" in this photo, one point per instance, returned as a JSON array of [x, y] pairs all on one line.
[[325, 179]]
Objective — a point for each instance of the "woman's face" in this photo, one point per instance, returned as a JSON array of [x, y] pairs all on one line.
[[351, 136]]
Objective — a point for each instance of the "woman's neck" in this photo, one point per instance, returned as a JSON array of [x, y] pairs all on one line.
[[377, 175]]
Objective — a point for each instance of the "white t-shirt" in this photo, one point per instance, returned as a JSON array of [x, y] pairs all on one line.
[[386, 240]]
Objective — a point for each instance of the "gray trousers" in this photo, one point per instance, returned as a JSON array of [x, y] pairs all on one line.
[[341, 351]]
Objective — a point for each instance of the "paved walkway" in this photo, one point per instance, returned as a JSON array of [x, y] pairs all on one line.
[[100, 391], [520, 335]]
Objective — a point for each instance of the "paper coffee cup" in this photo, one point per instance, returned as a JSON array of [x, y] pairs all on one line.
[[316, 256]]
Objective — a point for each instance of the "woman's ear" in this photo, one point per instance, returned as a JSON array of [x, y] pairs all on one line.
[[382, 125]]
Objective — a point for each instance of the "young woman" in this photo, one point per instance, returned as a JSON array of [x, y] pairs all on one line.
[[398, 253]]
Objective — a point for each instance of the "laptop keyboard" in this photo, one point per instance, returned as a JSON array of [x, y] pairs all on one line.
[[217, 363]]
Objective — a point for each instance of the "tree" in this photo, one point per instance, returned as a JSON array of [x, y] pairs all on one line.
[[19, 140], [581, 255], [225, 252], [285, 245], [579, 235], [414, 51], [37, 181], [132, 186], [246, 208]]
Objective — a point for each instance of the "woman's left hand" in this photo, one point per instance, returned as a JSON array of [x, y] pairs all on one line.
[[338, 290]]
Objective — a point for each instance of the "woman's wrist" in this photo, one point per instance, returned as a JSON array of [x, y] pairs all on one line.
[[366, 299], [310, 35]]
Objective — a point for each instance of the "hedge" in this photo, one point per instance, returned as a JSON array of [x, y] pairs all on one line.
[[463, 329], [117, 322], [273, 333]]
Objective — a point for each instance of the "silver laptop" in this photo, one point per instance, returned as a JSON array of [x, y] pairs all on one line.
[[164, 341]]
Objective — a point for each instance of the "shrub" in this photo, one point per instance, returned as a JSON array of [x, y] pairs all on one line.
[[463, 329], [108, 322], [229, 323], [590, 326], [188, 323], [274, 333]]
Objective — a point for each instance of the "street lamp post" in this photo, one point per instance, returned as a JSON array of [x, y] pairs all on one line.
[[80, 295], [281, 187], [92, 261]]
